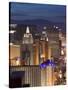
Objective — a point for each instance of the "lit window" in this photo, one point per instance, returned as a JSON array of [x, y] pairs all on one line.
[[47, 39], [13, 25], [11, 43], [62, 52], [12, 31]]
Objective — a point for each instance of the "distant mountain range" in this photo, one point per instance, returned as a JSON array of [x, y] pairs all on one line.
[[40, 23]]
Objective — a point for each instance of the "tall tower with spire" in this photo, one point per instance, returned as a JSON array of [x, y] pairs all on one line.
[[27, 38], [27, 47]]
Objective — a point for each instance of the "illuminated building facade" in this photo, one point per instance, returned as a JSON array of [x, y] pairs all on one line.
[[27, 48], [31, 53], [37, 44]]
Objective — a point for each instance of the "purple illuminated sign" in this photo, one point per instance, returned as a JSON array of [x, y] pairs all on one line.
[[47, 63]]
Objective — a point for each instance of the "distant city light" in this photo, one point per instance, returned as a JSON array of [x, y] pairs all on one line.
[[13, 25], [11, 44], [62, 52], [45, 27], [57, 27], [26, 35], [47, 39], [42, 56], [60, 71], [18, 62], [43, 32], [12, 31], [41, 39], [54, 26], [60, 74]]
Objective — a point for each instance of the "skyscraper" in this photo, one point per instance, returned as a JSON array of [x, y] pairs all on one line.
[[27, 47]]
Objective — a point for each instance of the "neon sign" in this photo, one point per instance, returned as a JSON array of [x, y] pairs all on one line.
[[46, 63]]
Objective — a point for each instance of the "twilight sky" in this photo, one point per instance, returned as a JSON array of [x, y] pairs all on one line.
[[24, 11]]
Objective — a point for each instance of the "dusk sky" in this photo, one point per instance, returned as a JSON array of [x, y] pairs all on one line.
[[24, 11]]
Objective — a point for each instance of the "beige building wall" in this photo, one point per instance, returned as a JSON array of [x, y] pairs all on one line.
[[36, 53], [43, 77], [49, 76], [14, 52]]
